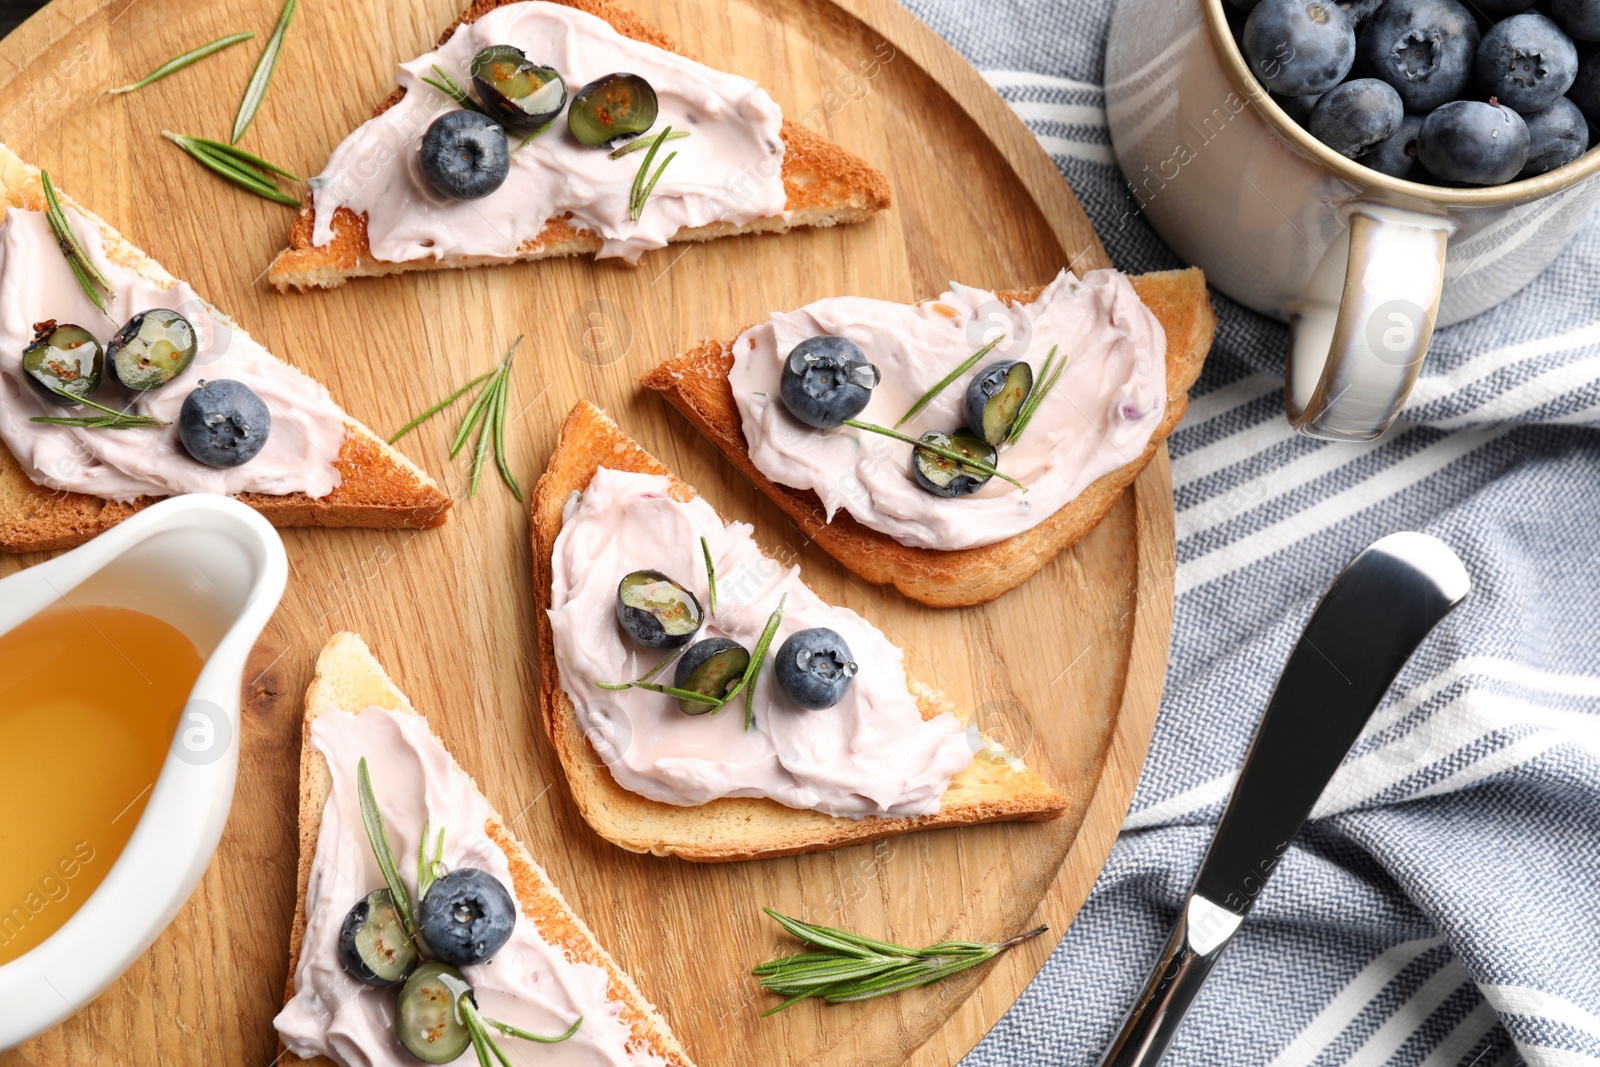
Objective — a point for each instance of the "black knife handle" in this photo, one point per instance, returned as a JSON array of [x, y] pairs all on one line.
[[1362, 632]]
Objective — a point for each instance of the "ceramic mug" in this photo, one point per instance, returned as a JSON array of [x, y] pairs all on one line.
[[1362, 265]]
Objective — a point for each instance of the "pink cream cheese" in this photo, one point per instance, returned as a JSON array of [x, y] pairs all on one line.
[[530, 983], [36, 284], [872, 754], [727, 171], [1099, 416]]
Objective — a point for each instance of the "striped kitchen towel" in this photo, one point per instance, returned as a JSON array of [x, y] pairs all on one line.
[[1442, 908]]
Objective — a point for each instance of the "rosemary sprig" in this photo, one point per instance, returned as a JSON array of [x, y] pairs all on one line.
[[172, 66], [850, 967], [640, 143], [671, 691], [642, 188], [440, 406], [747, 684], [256, 91], [966, 365], [447, 85], [111, 420], [486, 415], [524, 142], [938, 450], [711, 577], [1041, 388], [245, 169], [478, 1024], [94, 284], [429, 871], [379, 839]]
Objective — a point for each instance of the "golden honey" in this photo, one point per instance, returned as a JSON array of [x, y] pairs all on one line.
[[89, 699]]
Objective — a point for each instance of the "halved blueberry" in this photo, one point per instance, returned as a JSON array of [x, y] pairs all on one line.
[[994, 398], [943, 476], [656, 611], [710, 667], [373, 946]]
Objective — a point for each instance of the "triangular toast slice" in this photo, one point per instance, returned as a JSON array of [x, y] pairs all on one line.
[[349, 678], [993, 788], [696, 383], [379, 487], [825, 185]]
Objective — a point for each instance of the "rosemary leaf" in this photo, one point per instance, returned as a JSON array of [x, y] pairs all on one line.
[[256, 91], [642, 188], [938, 450], [641, 143], [112, 419], [172, 66], [651, 187], [671, 691], [94, 284], [440, 406], [476, 413], [452, 90], [372, 818], [1041, 388], [512, 1031], [499, 420], [239, 155], [944, 383], [711, 577], [753, 671], [486, 432], [242, 172]]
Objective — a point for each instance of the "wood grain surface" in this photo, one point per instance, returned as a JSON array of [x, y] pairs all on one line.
[[1066, 670]]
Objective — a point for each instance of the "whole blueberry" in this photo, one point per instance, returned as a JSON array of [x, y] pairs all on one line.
[[1297, 107], [1585, 91], [223, 423], [1299, 47], [1557, 135], [464, 155], [1352, 117], [1424, 48], [1397, 156], [466, 917], [1526, 62], [826, 380], [1469, 142], [1580, 18], [814, 668]]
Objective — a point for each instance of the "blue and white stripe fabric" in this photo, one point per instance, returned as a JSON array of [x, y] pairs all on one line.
[[1442, 909]]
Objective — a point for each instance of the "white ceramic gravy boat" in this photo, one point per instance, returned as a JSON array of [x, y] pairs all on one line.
[[215, 570]]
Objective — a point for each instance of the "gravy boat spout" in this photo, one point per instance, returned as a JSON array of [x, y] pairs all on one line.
[[215, 570]]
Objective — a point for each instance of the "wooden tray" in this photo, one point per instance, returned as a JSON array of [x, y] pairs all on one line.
[[1066, 670]]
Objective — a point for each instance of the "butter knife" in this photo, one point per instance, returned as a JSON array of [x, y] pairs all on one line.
[[1365, 628]]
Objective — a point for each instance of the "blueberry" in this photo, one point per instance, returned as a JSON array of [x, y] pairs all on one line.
[[1297, 107], [1359, 11], [1352, 117], [1397, 156], [656, 611], [1580, 18], [1469, 142], [1557, 135], [1585, 91], [223, 423], [710, 668], [466, 917], [1299, 47], [814, 668], [826, 380], [464, 155], [373, 946], [1424, 48], [994, 398], [1526, 62]]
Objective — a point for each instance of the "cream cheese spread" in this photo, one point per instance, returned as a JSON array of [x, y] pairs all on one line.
[[529, 983], [1099, 416], [727, 171], [871, 754], [37, 284]]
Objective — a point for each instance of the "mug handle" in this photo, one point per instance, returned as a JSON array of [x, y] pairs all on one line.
[[1352, 364]]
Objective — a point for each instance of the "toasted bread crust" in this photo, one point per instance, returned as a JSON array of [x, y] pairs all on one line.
[[379, 487], [696, 383], [350, 678], [989, 790], [824, 185]]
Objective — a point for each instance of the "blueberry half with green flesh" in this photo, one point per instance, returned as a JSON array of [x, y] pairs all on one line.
[[425, 1018], [517, 93], [373, 946], [942, 476], [464, 155], [710, 668], [467, 916], [63, 359], [814, 668], [656, 611], [995, 396], [615, 106], [151, 349], [223, 423], [826, 380]]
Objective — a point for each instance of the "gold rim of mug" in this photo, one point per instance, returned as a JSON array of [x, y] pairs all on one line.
[[1365, 178]]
